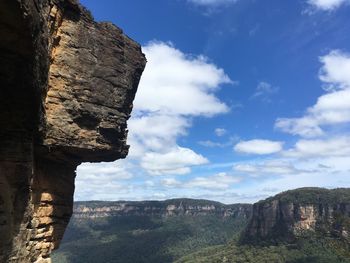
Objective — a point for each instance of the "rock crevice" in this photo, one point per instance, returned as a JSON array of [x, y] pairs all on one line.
[[68, 84]]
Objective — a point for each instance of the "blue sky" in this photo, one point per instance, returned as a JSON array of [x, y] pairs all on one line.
[[240, 99]]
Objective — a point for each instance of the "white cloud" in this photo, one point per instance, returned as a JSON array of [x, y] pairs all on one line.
[[101, 181], [174, 83], [258, 147], [110, 171], [218, 181], [331, 108], [220, 132], [155, 132], [211, 2], [211, 144], [272, 167], [327, 5], [327, 171], [264, 91], [176, 161], [335, 146], [170, 182], [174, 88], [336, 68], [322, 161], [305, 126]]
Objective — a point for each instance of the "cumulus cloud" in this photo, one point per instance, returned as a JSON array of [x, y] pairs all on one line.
[[176, 161], [217, 181], [327, 5], [332, 147], [155, 132], [335, 70], [259, 147], [174, 88], [102, 181], [330, 108], [111, 171], [178, 84], [211, 2], [212, 144], [321, 156]]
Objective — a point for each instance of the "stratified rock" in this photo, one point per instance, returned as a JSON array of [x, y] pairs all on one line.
[[67, 87], [296, 213], [167, 208]]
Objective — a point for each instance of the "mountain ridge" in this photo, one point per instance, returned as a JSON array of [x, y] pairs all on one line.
[[290, 214], [187, 233], [178, 206]]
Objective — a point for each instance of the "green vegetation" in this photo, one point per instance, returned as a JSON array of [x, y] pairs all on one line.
[[206, 238], [306, 250], [137, 239], [313, 195]]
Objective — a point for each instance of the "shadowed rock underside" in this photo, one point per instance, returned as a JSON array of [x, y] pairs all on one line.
[[68, 84]]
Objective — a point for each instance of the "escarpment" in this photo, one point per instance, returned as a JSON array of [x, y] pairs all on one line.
[[293, 214], [68, 84], [168, 208]]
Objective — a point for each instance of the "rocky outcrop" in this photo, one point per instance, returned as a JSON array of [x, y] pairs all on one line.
[[296, 213], [173, 207], [67, 89]]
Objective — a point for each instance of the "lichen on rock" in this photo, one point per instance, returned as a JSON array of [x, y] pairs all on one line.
[[68, 84]]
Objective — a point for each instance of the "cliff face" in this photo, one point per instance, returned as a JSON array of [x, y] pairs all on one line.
[[67, 89], [292, 214], [166, 208]]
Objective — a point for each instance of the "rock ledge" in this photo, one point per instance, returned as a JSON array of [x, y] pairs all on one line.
[[68, 84]]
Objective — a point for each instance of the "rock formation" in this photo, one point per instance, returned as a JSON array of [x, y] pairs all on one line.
[[293, 214], [173, 207], [67, 87]]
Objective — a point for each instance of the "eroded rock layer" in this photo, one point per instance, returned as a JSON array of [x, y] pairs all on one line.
[[167, 208], [300, 212], [67, 86]]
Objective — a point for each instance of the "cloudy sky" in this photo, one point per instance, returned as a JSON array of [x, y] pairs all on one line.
[[240, 99]]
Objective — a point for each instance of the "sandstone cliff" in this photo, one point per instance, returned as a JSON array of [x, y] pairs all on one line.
[[173, 207], [67, 89], [296, 213]]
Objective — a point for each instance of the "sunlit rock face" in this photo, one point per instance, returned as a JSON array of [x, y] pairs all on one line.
[[168, 208], [67, 87], [293, 214]]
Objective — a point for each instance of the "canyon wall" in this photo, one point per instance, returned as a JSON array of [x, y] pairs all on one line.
[[68, 84], [173, 207], [300, 212]]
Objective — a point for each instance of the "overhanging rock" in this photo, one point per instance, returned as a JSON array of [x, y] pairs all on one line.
[[67, 87]]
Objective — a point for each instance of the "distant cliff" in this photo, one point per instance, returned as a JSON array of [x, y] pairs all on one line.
[[302, 225], [173, 207], [292, 214], [148, 231]]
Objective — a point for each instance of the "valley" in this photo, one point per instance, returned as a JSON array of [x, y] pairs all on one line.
[[302, 225]]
